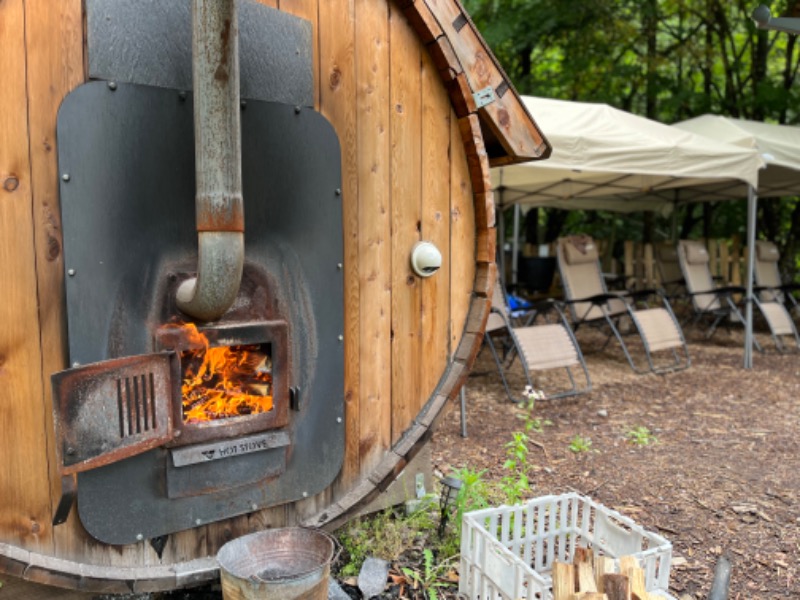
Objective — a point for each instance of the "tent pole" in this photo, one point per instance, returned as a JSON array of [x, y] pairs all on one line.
[[673, 234], [752, 202], [515, 248], [501, 232]]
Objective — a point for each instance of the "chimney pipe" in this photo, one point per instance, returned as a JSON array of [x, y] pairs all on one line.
[[218, 200]]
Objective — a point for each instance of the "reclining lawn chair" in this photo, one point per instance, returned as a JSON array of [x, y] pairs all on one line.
[[717, 303], [539, 346], [669, 269], [768, 278], [590, 302]]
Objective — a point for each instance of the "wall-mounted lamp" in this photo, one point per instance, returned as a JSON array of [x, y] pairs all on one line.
[[425, 259]]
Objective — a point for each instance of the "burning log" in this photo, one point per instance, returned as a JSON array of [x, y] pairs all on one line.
[[224, 381]]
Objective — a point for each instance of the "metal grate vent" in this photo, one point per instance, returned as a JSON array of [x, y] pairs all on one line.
[[136, 400]]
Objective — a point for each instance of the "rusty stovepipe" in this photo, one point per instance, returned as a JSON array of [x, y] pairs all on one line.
[[217, 128]]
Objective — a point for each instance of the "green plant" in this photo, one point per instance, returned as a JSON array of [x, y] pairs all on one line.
[[532, 423], [515, 482], [384, 535], [429, 578], [580, 444], [641, 436]]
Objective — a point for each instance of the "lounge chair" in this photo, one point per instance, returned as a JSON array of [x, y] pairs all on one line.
[[540, 345], [669, 269], [768, 277], [590, 302], [717, 303]]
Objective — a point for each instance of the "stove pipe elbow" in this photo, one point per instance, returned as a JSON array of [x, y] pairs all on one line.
[[218, 165]]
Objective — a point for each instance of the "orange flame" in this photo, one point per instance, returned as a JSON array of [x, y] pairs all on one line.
[[224, 381]]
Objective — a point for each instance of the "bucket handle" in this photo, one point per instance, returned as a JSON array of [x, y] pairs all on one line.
[[337, 550]]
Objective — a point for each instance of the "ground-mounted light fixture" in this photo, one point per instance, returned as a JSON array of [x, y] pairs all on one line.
[[447, 499]]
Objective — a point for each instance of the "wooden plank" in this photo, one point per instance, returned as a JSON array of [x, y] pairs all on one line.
[[55, 60], [374, 243], [475, 151], [649, 266], [506, 115], [462, 235], [436, 124], [18, 589], [629, 266], [420, 17], [308, 10], [406, 210], [337, 103], [25, 510]]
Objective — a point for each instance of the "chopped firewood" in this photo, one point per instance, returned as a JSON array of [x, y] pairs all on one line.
[[602, 565], [629, 566], [563, 581], [583, 555], [584, 577], [616, 586]]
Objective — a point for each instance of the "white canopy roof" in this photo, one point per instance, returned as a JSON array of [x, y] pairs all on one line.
[[610, 159], [779, 146]]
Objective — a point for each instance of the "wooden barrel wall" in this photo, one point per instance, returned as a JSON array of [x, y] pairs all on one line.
[[414, 168]]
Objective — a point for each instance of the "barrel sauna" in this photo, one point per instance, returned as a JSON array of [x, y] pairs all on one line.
[[405, 112]]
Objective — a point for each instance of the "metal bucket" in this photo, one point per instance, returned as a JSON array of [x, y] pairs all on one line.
[[277, 564]]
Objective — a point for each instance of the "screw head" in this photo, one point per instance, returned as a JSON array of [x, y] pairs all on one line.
[[112, 85], [338, 191], [297, 110], [341, 338], [338, 419], [71, 451], [139, 537], [76, 364], [254, 506], [182, 96], [71, 272], [243, 104], [198, 521], [305, 494], [339, 266], [65, 177]]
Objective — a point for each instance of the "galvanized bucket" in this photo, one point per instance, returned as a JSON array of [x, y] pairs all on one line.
[[277, 564]]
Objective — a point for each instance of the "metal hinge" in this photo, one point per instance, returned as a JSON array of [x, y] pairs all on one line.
[[484, 97]]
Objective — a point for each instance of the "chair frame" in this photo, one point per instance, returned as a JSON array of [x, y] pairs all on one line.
[[612, 319], [727, 307], [512, 349]]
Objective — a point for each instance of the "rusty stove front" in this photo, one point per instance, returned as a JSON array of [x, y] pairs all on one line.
[[145, 469]]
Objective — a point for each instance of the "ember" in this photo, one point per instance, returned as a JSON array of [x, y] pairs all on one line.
[[225, 381]]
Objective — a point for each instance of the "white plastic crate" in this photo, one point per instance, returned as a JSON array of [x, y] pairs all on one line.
[[507, 552]]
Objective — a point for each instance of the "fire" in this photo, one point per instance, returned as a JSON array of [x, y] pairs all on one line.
[[224, 381]]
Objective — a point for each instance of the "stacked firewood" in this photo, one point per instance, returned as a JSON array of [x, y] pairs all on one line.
[[591, 577]]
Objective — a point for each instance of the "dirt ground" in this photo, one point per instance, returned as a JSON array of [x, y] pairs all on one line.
[[722, 477]]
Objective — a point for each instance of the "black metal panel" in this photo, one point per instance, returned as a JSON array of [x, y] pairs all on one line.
[[127, 198], [150, 42]]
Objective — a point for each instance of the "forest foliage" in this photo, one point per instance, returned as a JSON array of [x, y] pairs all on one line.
[[667, 60]]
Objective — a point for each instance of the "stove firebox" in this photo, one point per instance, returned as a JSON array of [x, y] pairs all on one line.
[[160, 439]]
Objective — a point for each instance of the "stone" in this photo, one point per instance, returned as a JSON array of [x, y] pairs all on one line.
[[372, 577]]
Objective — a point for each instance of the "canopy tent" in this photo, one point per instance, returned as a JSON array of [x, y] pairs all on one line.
[[779, 146], [606, 158]]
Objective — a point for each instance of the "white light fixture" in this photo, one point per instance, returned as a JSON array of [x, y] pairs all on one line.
[[425, 259], [763, 19]]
